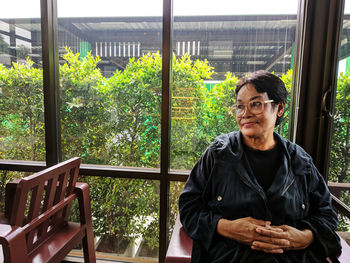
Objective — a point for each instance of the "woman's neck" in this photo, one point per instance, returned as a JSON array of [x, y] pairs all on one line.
[[260, 143]]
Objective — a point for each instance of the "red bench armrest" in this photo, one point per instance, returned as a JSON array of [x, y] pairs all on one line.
[[180, 246]]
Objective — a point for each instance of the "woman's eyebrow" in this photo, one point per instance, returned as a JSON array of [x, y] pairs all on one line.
[[256, 97], [253, 98]]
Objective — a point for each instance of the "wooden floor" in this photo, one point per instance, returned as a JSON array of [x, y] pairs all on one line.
[[77, 256], [345, 236]]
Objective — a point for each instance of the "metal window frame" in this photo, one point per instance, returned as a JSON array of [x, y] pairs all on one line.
[[315, 79], [49, 38], [320, 23]]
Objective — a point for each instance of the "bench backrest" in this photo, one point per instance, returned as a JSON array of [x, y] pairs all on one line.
[[42, 201]]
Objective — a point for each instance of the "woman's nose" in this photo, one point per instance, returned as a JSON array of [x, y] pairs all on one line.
[[246, 112]]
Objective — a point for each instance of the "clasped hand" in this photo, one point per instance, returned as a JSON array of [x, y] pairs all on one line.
[[260, 235]]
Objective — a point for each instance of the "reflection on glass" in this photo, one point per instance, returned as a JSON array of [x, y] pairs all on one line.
[[214, 45], [110, 83], [125, 216], [21, 83]]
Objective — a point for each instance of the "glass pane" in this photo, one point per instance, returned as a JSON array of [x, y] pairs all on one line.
[[339, 169], [21, 82], [110, 79], [214, 45], [125, 215], [175, 191]]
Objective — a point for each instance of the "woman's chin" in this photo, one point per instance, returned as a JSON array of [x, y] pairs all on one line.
[[249, 132]]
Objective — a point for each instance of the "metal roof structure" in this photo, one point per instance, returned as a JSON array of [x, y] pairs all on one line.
[[237, 44]]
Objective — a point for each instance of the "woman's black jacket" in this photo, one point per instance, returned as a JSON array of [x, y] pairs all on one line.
[[220, 186]]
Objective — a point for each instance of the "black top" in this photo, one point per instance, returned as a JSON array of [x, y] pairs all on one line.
[[264, 164]]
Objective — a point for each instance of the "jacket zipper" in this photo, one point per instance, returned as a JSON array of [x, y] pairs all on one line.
[[263, 196], [289, 185]]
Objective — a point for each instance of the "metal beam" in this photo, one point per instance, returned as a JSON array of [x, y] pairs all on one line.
[[165, 127], [278, 57], [49, 36]]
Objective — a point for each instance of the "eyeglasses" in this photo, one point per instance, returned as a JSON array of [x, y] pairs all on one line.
[[254, 107]]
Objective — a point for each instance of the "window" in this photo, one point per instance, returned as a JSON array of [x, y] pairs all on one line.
[[125, 216], [214, 45], [110, 81], [339, 170], [21, 82], [110, 97]]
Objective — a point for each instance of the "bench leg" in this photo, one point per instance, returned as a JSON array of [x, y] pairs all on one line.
[[85, 218]]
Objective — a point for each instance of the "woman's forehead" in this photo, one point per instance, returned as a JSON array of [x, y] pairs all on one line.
[[249, 92]]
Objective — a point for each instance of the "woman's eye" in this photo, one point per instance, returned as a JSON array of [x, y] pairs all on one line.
[[240, 107], [255, 104]]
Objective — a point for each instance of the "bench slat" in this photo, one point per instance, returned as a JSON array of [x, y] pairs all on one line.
[[57, 242]]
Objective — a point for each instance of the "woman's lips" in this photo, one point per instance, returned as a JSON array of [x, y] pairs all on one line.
[[248, 124]]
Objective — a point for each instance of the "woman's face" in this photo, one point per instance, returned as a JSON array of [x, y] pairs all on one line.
[[257, 125]]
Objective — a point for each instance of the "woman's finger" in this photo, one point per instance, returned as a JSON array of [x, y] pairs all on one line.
[[272, 232], [275, 251], [273, 241], [259, 222], [267, 247]]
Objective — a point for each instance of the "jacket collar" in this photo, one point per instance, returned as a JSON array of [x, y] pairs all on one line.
[[236, 145], [284, 176], [229, 147]]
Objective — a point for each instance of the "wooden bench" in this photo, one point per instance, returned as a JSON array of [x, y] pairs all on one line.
[[35, 226], [180, 247]]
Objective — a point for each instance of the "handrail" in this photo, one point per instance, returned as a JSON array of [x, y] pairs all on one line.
[[340, 206]]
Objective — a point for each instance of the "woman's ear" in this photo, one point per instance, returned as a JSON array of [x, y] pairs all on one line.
[[280, 108]]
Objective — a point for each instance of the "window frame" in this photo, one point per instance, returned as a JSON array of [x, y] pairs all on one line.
[[315, 81]]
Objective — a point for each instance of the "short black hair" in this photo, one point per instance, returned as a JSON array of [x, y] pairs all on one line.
[[265, 81]]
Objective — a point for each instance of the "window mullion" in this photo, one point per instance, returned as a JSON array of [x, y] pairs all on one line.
[[49, 35], [165, 127]]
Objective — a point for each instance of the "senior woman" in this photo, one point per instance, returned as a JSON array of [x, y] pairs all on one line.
[[254, 196]]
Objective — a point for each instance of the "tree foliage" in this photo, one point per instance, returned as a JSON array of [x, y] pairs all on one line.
[[22, 112], [283, 128], [188, 96], [340, 150], [83, 116], [134, 108]]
